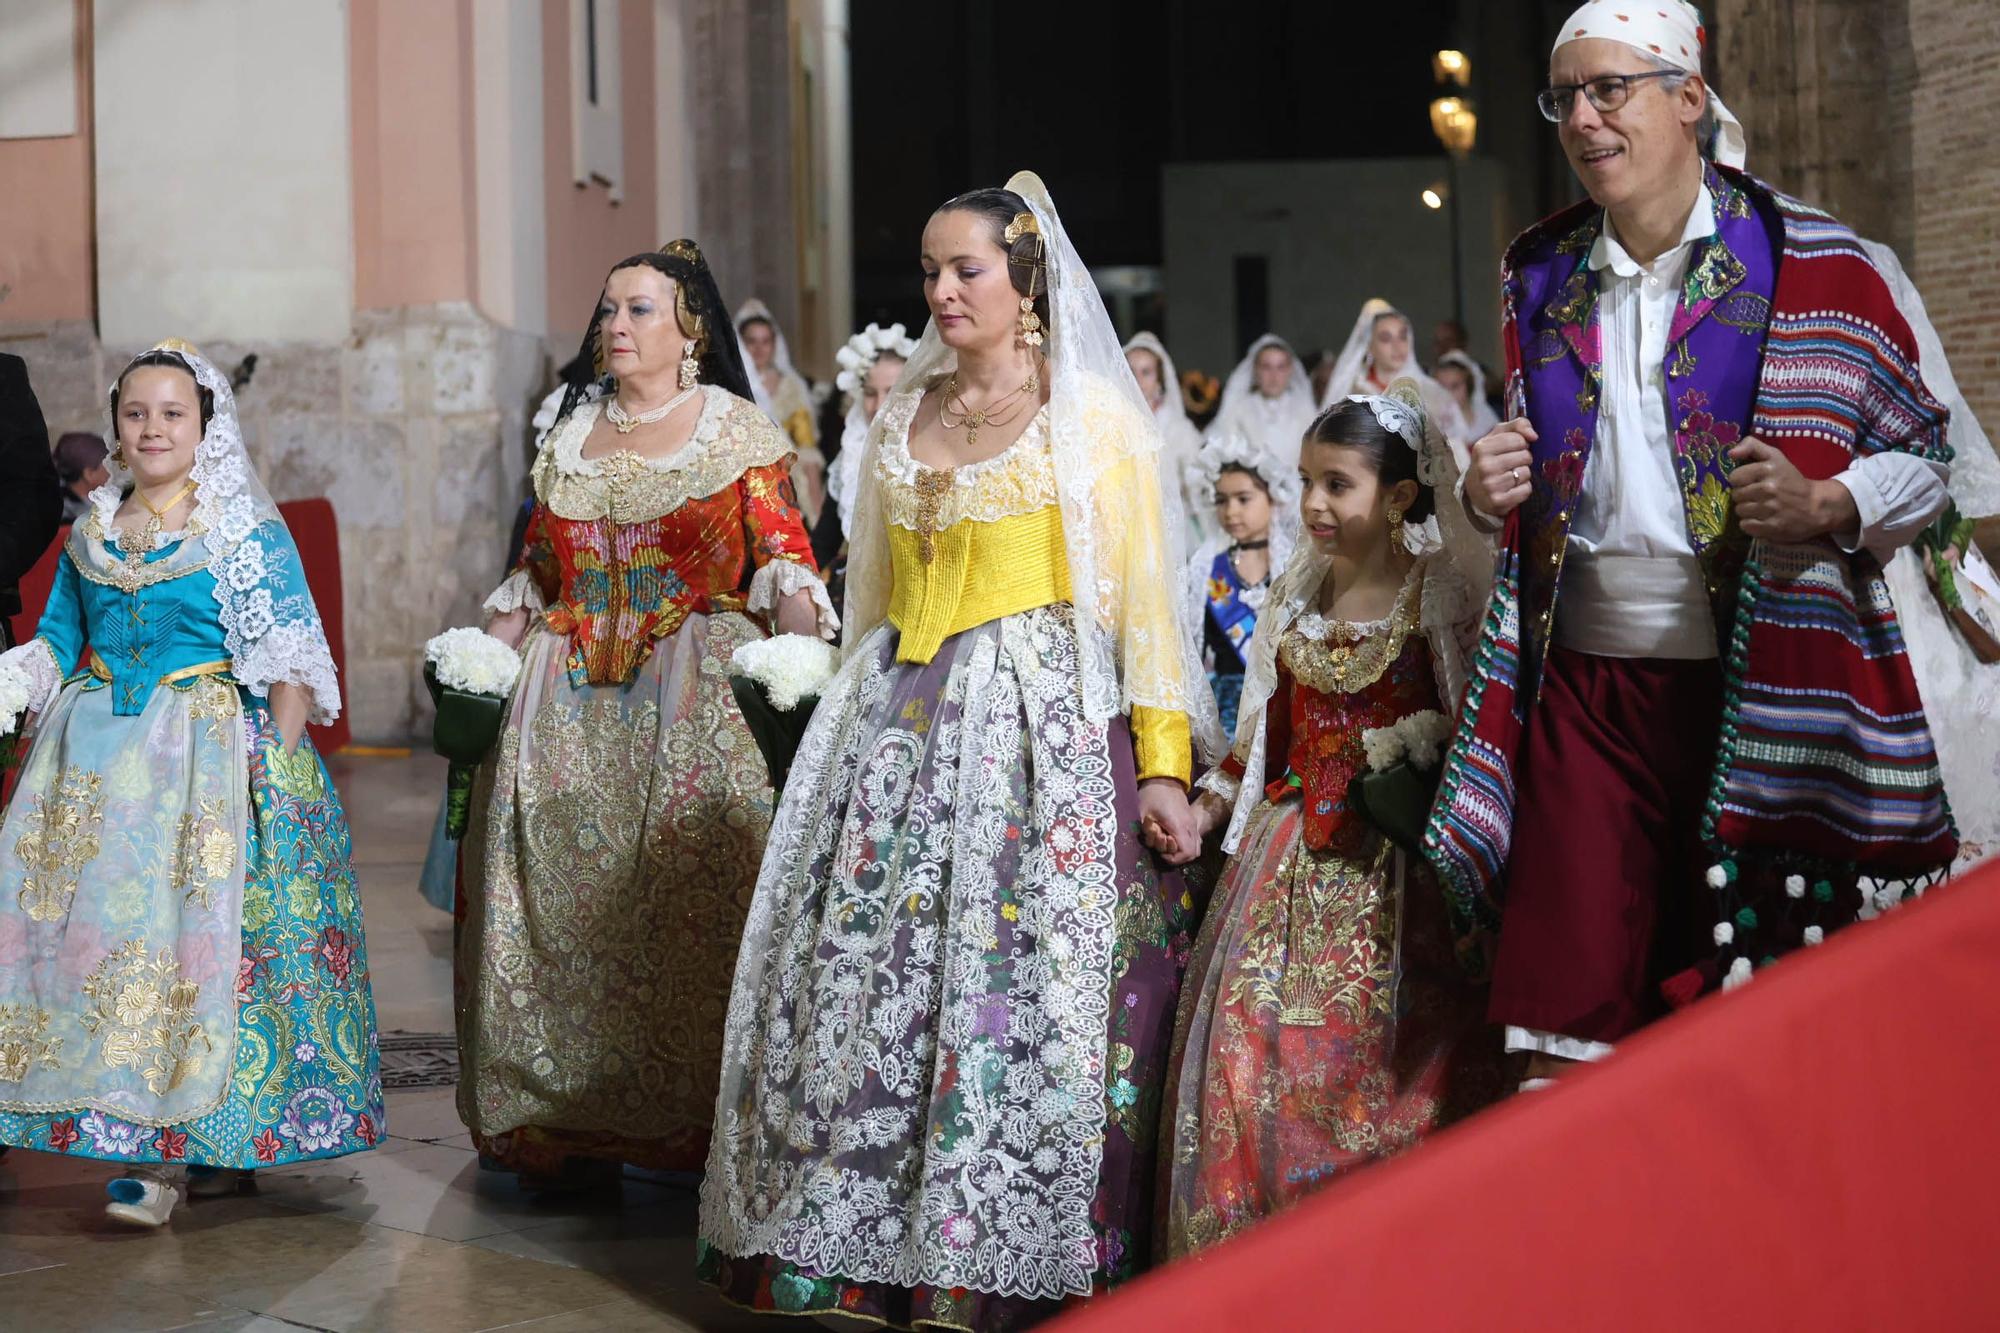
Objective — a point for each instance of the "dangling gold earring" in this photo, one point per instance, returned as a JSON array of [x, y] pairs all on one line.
[[1396, 529], [118, 454], [690, 367], [1031, 323]]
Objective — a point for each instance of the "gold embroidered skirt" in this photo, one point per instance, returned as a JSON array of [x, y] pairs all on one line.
[[614, 843]]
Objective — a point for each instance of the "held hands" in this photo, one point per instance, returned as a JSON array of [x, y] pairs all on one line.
[[1167, 822], [1776, 502], [1502, 471]]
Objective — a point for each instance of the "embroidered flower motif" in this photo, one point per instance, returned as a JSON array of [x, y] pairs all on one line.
[[1795, 886], [108, 1134], [959, 1231], [305, 1052], [266, 1145], [336, 953], [172, 1145], [364, 1129], [1815, 935], [1124, 1094], [63, 1135], [315, 1120], [1564, 472]]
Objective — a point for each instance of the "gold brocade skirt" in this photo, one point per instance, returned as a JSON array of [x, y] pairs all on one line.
[[613, 846]]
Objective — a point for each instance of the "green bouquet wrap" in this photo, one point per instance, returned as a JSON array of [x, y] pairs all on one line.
[[776, 730], [467, 725], [1397, 801]]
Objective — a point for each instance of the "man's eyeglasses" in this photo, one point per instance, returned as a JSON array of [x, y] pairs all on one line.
[[1607, 92]]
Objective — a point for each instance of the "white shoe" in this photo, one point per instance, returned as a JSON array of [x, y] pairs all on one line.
[[208, 1182], [141, 1201]]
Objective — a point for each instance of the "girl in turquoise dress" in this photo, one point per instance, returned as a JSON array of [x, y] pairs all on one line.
[[183, 983]]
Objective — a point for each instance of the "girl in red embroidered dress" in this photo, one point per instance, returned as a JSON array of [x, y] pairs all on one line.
[[1325, 1017]]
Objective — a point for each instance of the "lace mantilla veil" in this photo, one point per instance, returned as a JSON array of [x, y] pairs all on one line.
[[272, 629], [1448, 609], [1121, 547]]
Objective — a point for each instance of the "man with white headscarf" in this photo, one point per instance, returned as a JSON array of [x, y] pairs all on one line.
[[1720, 430]]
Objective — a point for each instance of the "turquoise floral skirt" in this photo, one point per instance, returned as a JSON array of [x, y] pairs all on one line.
[[305, 1080]]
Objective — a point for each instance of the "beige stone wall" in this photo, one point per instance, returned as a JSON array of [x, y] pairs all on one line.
[[416, 429]]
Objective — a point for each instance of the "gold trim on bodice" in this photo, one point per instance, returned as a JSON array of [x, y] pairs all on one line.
[[730, 437]]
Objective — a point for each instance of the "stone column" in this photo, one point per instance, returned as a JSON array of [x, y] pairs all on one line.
[[740, 62]]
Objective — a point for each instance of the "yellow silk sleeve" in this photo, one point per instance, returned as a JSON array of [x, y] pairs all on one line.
[[1162, 744]]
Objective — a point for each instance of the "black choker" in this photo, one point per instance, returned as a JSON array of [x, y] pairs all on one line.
[[1257, 545]]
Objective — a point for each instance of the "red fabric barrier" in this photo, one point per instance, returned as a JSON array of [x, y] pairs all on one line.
[[1813, 1151], [318, 537]]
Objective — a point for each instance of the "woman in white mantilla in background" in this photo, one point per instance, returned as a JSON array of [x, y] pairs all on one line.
[[951, 1010], [787, 397], [183, 983], [1378, 352], [1180, 438], [1267, 399], [1461, 376]]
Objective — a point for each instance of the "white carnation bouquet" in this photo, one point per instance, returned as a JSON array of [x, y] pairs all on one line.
[[776, 682], [790, 667], [473, 661], [16, 693], [1397, 791], [1419, 738], [470, 674]]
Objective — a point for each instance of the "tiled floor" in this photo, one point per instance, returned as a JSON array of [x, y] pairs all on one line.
[[413, 1237]]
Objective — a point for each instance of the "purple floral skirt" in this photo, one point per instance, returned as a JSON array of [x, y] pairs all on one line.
[[951, 1013]]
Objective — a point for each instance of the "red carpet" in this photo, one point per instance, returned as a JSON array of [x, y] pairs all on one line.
[[1813, 1151]]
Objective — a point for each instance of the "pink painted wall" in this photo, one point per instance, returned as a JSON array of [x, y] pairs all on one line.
[[587, 233], [411, 84], [47, 218]]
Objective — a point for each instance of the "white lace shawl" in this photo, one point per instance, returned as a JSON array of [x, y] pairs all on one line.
[[269, 624], [843, 478], [1448, 613], [1127, 562]]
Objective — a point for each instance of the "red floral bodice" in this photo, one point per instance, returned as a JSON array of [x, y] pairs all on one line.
[[625, 548], [1313, 726]]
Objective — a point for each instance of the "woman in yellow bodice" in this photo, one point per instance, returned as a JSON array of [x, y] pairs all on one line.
[[941, 1072]]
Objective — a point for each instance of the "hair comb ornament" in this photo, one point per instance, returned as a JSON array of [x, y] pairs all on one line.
[[1394, 415], [178, 346], [682, 249], [1024, 224]]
